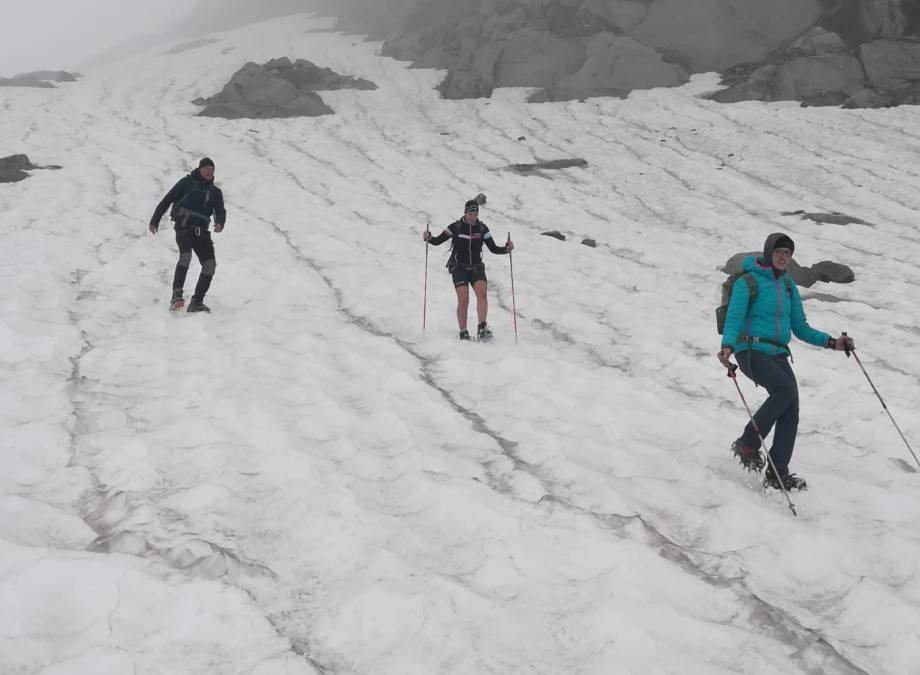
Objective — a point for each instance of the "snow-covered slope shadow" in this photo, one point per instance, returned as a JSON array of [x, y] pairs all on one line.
[[305, 482]]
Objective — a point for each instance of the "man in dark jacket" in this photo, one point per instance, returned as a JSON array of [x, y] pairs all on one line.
[[465, 265], [194, 200]]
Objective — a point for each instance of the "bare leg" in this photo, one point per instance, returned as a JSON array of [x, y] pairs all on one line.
[[482, 300], [463, 303]]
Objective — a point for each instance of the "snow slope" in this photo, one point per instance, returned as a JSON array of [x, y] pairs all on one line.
[[304, 482]]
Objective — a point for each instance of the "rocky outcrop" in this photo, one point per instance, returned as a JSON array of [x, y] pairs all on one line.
[[855, 53], [43, 79], [279, 88]]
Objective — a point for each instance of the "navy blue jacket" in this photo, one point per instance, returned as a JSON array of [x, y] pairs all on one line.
[[194, 201]]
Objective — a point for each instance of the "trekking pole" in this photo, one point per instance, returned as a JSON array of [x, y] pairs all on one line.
[[881, 400], [513, 305], [763, 444], [425, 289]]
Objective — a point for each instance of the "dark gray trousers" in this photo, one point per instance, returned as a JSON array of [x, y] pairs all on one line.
[[781, 409]]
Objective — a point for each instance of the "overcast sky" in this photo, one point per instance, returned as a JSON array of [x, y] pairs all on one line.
[[61, 34]]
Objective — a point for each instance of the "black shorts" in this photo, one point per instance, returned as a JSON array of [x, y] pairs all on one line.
[[463, 275]]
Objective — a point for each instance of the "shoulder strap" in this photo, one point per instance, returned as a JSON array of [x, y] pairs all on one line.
[[188, 191], [752, 287]]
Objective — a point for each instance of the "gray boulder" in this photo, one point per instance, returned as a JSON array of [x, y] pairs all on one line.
[[733, 264], [279, 88], [833, 272], [13, 168], [803, 276]]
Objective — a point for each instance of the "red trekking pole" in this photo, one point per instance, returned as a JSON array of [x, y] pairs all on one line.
[[513, 305], [425, 290]]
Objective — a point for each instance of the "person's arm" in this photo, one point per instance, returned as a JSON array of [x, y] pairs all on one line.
[[489, 241], [220, 214], [173, 195], [444, 236], [800, 327]]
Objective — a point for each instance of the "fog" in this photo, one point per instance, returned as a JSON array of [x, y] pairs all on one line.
[[63, 34]]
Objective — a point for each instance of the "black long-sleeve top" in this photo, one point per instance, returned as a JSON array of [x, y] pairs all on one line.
[[466, 242]]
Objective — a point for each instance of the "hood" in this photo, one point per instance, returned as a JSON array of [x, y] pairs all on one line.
[[196, 176], [774, 240]]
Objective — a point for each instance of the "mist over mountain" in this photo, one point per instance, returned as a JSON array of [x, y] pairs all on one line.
[[855, 53]]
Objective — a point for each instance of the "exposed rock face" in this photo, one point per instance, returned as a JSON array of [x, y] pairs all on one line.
[[43, 79], [613, 66], [279, 88], [856, 53]]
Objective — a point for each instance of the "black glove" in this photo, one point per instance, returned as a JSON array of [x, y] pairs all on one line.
[[844, 343]]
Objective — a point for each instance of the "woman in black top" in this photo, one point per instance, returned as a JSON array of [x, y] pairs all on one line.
[[465, 264]]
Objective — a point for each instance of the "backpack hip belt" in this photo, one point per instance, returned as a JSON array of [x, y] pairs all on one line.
[[184, 214]]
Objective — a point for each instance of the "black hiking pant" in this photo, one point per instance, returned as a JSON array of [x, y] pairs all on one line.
[[197, 239], [781, 408]]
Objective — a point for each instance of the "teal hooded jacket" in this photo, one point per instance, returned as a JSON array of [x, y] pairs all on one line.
[[776, 313]]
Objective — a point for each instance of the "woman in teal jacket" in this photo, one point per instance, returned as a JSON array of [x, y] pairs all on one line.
[[758, 332]]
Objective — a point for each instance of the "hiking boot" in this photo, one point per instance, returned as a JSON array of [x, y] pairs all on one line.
[[197, 306], [750, 459], [176, 302], [484, 334], [465, 335], [790, 481]]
